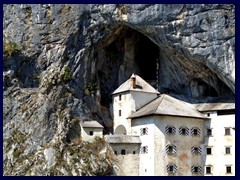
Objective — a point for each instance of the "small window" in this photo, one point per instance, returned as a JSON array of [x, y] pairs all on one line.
[[120, 97], [209, 132], [123, 152], [172, 168], [196, 169], [91, 133], [171, 149], [115, 152], [134, 152], [228, 169], [208, 170], [209, 150], [119, 112], [144, 150], [227, 150], [144, 131], [208, 114], [184, 131], [227, 131], [196, 150], [195, 132], [170, 130]]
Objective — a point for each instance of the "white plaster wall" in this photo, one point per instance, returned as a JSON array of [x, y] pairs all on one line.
[[146, 167], [218, 141], [130, 102], [184, 159], [128, 164], [97, 132], [156, 160], [127, 107]]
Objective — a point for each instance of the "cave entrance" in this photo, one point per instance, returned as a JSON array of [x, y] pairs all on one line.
[[146, 55], [125, 51]]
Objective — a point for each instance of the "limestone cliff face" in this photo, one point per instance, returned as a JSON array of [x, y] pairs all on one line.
[[61, 63]]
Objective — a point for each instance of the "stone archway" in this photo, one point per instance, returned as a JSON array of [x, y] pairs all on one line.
[[120, 130]]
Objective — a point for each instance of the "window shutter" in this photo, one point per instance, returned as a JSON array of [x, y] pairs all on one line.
[[174, 149], [175, 169], [200, 150], [198, 131], [174, 130], [167, 149], [141, 131], [180, 130], [187, 131], [166, 130], [200, 169]]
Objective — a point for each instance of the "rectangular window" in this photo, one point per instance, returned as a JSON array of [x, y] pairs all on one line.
[[144, 149], [144, 131], [209, 132], [123, 152], [120, 97], [183, 131], [115, 152], [134, 152], [91, 133], [227, 131], [208, 170], [170, 131], [195, 132], [195, 169], [228, 169], [209, 150], [172, 168], [119, 112], [227, 150]]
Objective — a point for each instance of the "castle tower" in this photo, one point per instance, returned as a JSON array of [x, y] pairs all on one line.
[[129, 97]]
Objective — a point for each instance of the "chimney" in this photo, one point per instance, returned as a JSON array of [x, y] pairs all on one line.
[[133, 81]]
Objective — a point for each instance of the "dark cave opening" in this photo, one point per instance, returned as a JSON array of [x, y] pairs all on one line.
[[146, 55]]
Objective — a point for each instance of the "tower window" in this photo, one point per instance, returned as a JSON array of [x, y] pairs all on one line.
[[144, 131], [144, 150], [123, 152], [119, 113], [120, 97], [227, 131]]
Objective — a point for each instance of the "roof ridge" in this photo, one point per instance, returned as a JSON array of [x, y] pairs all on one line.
[[163, 95]]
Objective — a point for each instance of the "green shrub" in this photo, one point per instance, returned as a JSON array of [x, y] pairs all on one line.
[[67, 74], [91, 88], [10, 48]]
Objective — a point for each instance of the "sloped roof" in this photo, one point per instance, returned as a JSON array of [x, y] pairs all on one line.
[[141, 85], [91, 124], [215, 106], [120, 138], [167, 105]]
